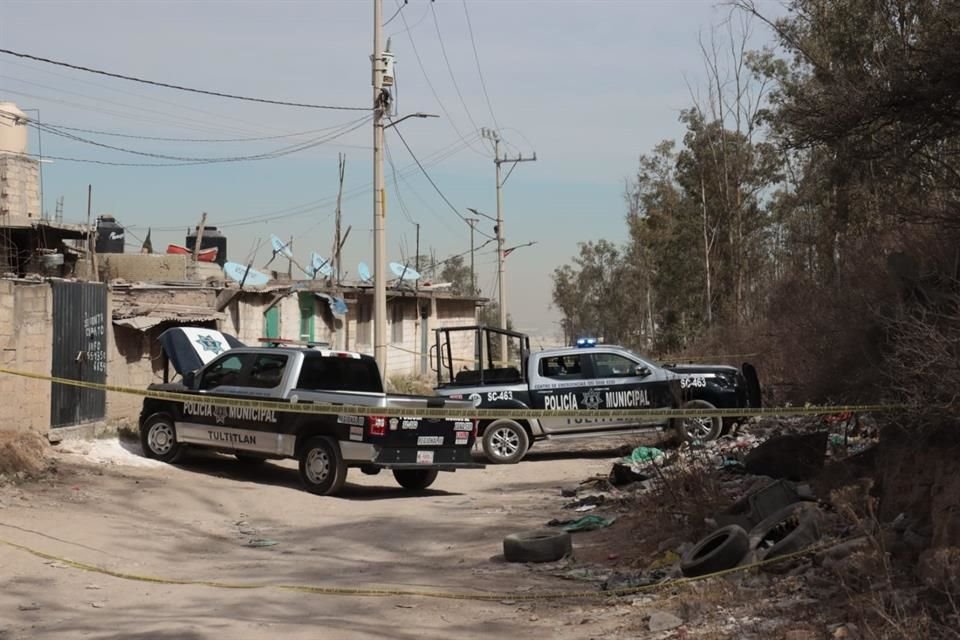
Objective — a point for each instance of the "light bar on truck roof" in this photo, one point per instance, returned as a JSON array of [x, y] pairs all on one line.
[[583, 343]]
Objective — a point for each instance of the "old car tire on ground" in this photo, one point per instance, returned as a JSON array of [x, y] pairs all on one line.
[[791, 529], [542, 545], [158, 438], [699, 429], [322, 469], [722, 549], [415, 479], [249, 460], [505, 442]]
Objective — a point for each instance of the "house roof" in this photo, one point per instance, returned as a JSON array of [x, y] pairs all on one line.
[[143, 316]]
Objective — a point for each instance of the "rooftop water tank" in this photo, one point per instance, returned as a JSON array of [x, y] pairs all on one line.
[[211, 238], [13, 129], [110, 235]]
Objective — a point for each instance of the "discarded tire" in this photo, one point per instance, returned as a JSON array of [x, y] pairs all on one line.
[[542, 545], [789, 530], [722, 549]]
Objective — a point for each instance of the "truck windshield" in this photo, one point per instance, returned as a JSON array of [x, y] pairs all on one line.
[[321, 373]]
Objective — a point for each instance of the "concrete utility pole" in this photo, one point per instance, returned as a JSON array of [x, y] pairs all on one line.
[[379, 221], [493, 135], [473, 277]]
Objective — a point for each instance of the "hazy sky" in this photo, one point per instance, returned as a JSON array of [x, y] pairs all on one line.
[[588, 85]]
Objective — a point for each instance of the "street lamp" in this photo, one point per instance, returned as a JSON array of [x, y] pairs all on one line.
[[379, 217]]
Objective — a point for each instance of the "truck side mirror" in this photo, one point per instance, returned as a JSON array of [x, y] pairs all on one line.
[[643, 370], [189, 379]]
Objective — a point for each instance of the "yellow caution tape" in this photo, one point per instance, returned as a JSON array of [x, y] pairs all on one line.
[[316, 408], [422, 593]]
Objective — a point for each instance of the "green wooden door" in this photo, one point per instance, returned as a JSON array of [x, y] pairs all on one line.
[[271, 323], [307, 306]]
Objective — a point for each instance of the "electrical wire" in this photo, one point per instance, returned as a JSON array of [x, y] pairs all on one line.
[[244, 126], [476, 57], [396, 184], [167, 85], [433, 90], [414, 25], [453, 78], [402, 7], [209, 140], [189, 160], [432, 183]]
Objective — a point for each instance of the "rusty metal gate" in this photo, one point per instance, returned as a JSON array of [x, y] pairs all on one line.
[[79, 352]]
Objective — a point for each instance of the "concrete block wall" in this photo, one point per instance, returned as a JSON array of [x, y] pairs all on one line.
[[26, 336], [19, 186], [134, 359]]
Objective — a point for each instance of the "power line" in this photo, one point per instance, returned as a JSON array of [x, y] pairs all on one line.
[[430, 180], [433, 90], [396, 13], [167, 85], [396, 185], [476, 57], [453, 78], [185, 160], [221, 118], [209, 140]]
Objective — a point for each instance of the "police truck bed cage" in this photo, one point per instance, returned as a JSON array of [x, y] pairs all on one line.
[[486, 366]]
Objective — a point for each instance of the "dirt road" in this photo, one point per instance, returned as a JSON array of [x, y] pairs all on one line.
[[202, 521]]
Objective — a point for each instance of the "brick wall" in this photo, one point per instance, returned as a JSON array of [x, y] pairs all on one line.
[[26, 336]]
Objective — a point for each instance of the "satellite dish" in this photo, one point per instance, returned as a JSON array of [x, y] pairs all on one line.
[[244, 274], [364, 272], [281, 247], [404, 272], [320, 265]]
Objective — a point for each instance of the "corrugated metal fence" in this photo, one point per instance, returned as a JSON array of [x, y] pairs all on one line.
[[79, 351]]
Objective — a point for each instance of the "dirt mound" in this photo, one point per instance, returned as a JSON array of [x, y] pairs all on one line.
[[23, 453]]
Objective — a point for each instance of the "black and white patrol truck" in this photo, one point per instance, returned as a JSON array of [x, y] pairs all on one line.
[[215, 368], [585, 376]]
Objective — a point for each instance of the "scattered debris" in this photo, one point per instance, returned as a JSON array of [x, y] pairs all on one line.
[[795, 457], [663, 621], [586, 523], [32, 606], [262, 542], [590, 502], [758, 505]]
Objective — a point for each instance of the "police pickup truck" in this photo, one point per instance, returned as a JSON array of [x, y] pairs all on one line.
[[215, 367], [586, 376]]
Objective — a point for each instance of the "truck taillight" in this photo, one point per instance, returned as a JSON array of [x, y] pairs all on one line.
[[378, 425]]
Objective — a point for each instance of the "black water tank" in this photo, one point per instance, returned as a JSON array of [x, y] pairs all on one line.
[[110, 236], [211, 238]]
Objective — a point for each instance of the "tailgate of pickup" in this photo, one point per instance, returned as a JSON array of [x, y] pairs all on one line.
[[417, 442]]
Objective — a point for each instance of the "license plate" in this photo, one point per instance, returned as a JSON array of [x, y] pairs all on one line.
[[426, 441], [424, 457]]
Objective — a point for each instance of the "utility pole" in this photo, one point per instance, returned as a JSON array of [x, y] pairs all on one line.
[[473, 274], [199, 241], [416, 259], [491, 134], [342, 166], [91, 240], [379, 218]]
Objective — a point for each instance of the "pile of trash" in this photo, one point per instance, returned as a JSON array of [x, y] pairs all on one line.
[[764, 468]]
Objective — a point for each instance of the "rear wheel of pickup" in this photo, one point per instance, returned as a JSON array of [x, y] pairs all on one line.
[[505, 442], [322, 469], [158, 438], [415, 479], [699, 429]]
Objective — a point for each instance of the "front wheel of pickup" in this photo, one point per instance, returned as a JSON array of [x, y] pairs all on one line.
[[158, 438], [415, 479], [322, 469], [505, 442]]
